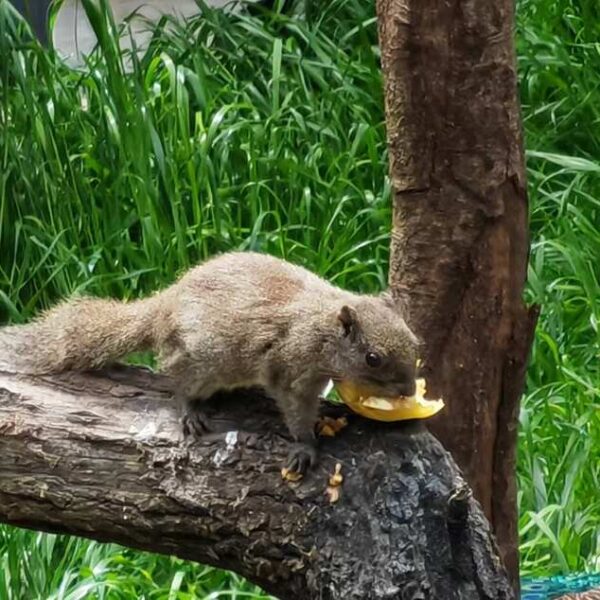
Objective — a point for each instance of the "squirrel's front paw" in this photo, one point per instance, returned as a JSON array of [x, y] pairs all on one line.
[[194, 420], [301, 457]]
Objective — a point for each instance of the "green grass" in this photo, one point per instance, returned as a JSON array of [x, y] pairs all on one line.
[[559, 466], [281, 147], [278, 148], [49, 567]]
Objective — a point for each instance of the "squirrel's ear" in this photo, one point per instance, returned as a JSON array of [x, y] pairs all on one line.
[[349, 320]]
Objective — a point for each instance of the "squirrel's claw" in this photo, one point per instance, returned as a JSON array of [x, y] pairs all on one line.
[[301, 457], [195, 422]]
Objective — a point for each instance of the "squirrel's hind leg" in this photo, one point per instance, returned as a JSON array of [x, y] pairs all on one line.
[[190, 388]]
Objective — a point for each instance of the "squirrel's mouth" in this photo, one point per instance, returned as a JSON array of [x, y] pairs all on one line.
[[389, 389]]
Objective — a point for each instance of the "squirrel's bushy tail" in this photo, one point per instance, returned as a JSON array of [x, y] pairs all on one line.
[[82, 333]]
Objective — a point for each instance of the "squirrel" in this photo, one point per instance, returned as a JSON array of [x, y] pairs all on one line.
[[237, 320]]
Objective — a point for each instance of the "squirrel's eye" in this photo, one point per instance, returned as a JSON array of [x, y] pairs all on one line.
[[373, 359]]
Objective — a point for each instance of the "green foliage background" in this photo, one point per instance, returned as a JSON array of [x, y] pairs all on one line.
[[267, 133]]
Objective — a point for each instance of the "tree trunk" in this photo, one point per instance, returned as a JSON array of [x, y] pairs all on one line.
[[99, 455], [460, 240]]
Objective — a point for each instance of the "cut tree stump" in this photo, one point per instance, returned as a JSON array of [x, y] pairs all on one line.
[[100, 455]]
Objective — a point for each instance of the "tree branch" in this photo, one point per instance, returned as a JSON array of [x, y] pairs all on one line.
[[100, 455]]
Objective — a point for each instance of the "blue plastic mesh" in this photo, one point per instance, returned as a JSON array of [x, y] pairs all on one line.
[[547, 588]]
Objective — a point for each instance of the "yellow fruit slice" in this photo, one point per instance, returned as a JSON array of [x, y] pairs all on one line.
[[363, 401]]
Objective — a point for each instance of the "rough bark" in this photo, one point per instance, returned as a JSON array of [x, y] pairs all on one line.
[[99, 455], [460, 240]]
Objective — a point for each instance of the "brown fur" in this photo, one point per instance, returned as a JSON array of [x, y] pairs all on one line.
[[281, 290], [237, 320]]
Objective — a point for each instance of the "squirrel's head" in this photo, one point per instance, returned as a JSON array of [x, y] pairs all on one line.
[[375, 347]]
